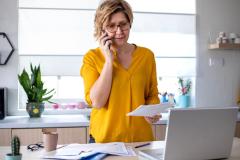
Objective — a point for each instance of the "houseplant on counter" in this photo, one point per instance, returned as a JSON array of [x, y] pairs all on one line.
[[184, 89], [35, 91], [15, 147]]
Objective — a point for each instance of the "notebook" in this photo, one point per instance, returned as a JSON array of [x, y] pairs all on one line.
[[196, 134]]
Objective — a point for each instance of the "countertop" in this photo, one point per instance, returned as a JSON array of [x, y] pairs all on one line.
[[49, 121], [46, 121], [56, 121]]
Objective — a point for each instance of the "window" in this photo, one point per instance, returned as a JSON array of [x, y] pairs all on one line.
[[57, 33], [172, 38]]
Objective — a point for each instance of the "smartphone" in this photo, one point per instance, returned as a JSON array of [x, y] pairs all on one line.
[[103, 32], [110, 45]]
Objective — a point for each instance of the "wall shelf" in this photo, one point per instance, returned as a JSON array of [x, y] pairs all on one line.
[[224, 46], [6, 48]]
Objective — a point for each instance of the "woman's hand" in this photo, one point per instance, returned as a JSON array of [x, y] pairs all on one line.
[[153, 119], [105, 43], [100, 91]]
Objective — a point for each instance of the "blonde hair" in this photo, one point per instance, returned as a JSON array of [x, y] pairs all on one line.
[[106, 9]]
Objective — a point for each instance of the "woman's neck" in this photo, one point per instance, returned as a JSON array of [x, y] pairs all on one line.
[[125, 49]]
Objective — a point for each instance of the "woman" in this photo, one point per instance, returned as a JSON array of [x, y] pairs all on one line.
[[118, 77]]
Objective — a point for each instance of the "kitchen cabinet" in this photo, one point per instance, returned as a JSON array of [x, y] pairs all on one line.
[[160, 132], [28, 136], [88, 135], [5, 137], [71, 135], [65, 135], [153, 129]]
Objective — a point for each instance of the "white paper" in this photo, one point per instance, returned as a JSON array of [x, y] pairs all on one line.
[[77, 151], [150, 110], [131, 152], [110, 148], [69, 157]]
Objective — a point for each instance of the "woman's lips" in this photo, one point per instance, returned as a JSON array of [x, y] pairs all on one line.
[[119, 38]]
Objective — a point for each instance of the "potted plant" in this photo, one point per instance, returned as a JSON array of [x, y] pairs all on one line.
[[15, 147], [35, 91], [184, 89]]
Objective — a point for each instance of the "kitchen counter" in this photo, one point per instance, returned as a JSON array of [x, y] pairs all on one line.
[[56, 121], [46, 121], [49, 121]]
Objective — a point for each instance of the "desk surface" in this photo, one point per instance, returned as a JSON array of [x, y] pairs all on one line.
[[28, 155]]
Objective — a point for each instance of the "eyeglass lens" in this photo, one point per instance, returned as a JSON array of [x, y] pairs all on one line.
[[113, 27]]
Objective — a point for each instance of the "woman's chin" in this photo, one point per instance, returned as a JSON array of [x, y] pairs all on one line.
[[119, 44]]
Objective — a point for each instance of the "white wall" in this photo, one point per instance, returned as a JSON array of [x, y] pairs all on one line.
[[8, 73], [217, 85]]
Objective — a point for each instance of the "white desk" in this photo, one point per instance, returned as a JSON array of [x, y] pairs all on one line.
[[28, 155]]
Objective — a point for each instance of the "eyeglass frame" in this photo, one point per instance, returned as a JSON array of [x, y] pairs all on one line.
[[121, 26], [35, 147]]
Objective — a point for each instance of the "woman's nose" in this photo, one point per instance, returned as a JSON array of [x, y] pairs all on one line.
[[119, 30]]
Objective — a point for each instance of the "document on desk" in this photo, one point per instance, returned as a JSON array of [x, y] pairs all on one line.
[[83, 156], [151, 110], [83, 151]]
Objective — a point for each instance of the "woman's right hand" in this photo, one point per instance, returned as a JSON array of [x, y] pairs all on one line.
[[105, 43], [153, 119]]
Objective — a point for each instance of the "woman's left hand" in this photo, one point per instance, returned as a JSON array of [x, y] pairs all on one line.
[[153, 119]]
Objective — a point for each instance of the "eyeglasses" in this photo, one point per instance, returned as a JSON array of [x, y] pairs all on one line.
[[113, 28], [35, 147]]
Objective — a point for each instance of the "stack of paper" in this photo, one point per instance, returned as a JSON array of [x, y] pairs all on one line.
[[85, 151]]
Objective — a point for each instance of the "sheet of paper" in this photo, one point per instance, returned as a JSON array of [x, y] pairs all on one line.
[[131, 152], [78, 151], [150, 110], [85, 156]]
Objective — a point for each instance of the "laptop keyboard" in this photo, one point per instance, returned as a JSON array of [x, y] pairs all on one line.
[[152, 154]]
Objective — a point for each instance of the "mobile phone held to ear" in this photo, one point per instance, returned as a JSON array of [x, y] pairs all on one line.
[[111, 48]]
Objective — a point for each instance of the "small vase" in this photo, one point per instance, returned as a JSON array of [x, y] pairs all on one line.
[[9, 156], [35, 109], [184, 101]]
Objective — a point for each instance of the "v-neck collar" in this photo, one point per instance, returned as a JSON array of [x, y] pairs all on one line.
[[129, 69]]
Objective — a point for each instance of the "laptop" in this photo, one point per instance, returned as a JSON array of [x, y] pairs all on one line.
[[197, 134]]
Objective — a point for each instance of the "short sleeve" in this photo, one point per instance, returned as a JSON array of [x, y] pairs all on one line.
[[89, 74]]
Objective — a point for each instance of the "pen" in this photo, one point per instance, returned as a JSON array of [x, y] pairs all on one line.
[[61, 146], [142, 145]]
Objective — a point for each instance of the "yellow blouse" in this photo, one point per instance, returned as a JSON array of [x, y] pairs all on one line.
[[131, 87]]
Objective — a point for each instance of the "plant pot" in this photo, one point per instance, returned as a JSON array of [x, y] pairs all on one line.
[[9, 156], [184, 101], [35, 109]]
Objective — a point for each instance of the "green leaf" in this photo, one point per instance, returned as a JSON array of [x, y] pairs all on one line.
[[24, 80], [47, 98], [50, 91]]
